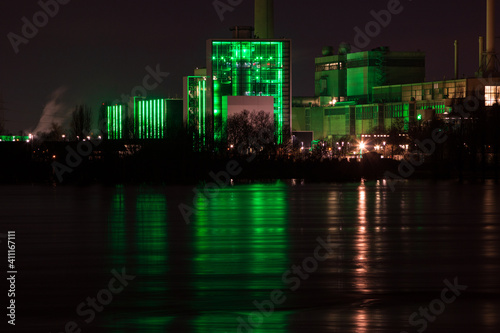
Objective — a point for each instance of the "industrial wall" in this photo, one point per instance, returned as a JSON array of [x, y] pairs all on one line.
[[353, 76]]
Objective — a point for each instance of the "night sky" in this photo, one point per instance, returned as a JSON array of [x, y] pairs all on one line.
[[94, 51]]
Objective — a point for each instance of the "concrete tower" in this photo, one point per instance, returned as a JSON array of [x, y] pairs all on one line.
[[264, 19], [490, 36]]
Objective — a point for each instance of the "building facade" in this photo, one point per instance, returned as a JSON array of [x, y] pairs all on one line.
[[248, 67], [144, 119]]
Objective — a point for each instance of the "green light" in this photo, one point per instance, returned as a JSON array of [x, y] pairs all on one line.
[[12, 138], [419, 117], [150, 119], [162, 119], [139, 116], [238, 79], [196, 110], [108, 118], [115, 121]]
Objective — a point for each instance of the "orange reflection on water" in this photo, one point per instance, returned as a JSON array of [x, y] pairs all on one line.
[[361, 320], [490, 247], [361, 244]]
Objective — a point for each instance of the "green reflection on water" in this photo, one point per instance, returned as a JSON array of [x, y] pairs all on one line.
[[143, 254], [118, 229], [268, 237], [240, 254], [151, 231], [275, 323]]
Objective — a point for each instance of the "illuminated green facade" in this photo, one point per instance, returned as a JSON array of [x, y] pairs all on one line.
[[249, 68], [145, 119], [196, 105], [116, 116], [14, 138], [149, 118]]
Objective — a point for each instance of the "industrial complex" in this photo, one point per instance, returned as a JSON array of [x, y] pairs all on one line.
[[356, 93]]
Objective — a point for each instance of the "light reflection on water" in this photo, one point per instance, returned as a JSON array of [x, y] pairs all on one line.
[[392, 252], [241, 248]]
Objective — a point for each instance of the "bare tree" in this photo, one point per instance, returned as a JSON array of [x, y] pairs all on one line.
[[80, 121], [248, 130], [55, 133], [395, 138]]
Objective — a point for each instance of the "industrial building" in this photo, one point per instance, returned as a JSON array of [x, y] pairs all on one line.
[[391, 104], [368, 92], [350, 76], [244, 66], [195, 108], [356, 93], [144, 119]]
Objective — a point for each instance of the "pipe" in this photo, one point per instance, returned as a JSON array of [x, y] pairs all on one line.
[[456, 59], [490, 35], [481, 52]]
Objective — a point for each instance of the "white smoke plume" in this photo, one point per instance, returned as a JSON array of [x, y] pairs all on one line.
[[55, 111]]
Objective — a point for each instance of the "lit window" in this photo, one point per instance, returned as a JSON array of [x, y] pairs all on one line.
[[492, 95]]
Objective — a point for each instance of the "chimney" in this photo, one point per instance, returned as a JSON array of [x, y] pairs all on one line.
[[481, 52], [490, 35], [456, 59], [264, 19]]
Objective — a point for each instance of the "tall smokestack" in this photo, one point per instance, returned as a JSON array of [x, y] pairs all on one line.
[[456, 59], [490, 35], [264, 19], [481, 52]]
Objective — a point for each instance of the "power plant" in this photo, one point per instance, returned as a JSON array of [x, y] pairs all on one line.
[[356, 93]]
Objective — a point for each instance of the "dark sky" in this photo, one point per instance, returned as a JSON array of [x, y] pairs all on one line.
[[94, 51]]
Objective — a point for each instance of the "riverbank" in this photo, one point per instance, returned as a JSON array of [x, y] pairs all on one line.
[[65, 164]]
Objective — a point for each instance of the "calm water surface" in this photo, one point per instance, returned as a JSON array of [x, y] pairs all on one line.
[[380, 257]]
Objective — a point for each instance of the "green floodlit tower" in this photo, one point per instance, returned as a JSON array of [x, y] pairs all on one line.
[[195, 104], [116, 119], [150, 118], [248, 67]]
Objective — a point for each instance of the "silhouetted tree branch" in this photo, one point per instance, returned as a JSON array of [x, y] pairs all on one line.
[[80, 121]]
